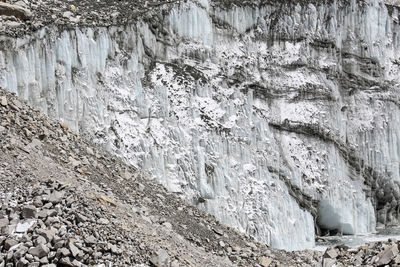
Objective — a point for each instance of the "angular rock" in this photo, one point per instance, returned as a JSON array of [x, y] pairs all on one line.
[[387, 255], [40, 240], [90, 240], [56, 197], [48, 234], [66, 261], [330, 253], [10, 243], [64, 252], [29, 212], [160, 258], [328, 262], [103, 221], [3, 101], [39, 251], [3, 222], [74, 250], [264, 261]]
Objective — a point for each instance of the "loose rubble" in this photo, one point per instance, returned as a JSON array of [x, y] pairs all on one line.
[[22, 16], [372, 254]]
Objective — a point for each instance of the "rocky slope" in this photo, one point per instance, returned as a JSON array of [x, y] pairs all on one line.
[[281, 119]]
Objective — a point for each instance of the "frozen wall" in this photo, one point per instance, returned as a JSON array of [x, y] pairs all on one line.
[[278, 119]]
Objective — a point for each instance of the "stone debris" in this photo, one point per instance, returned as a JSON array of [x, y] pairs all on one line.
[[372, 254], [21, 17]]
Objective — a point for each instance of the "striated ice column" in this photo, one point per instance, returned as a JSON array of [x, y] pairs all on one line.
[[277, 119]]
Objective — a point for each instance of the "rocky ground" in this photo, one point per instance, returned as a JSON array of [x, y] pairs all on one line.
[[39, 13], [65, 202], [18, 17]]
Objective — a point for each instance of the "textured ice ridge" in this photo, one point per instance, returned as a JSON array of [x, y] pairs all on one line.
[[279, 119]]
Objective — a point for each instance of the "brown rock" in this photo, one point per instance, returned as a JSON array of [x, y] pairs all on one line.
[[330, 253], [264, 261], [3, 101], [14, 10]]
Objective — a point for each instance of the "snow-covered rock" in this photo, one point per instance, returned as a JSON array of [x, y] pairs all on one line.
[[279, 119]]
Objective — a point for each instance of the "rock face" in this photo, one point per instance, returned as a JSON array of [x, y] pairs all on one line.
[[281, 119]]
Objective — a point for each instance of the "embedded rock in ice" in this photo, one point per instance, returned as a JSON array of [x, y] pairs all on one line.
[[273, 117]]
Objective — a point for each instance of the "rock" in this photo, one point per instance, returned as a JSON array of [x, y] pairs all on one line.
[[387, 255], [56, 197], [74, 19], [221, 243], [67, 14], [64, 252], [3, 101], [40, 240], [47, 233], [90, 240], [330, 253], [39, 251], [74, 250], [76, 263], [8, 229], [168, 225], [17, 103], [21, 4], [66, 261], [125, 175], [160, 258], [12, 24], [80, 218], [22, 262], [29, 212], [14, 10], [264, 261], [114, 249], [328, 262], [89, 150], [9, 243], [3, 222], [103, 221]]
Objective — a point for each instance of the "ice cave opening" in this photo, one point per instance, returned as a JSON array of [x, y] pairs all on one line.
[[330, 222]]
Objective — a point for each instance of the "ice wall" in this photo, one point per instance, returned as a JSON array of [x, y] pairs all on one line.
[[274, 118]]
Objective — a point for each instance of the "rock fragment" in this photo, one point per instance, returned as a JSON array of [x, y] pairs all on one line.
[[29, 212], [39, 251], [387, 255], [264, 261]]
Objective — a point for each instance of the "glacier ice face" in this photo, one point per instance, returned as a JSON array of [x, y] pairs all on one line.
[[277, 119]]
